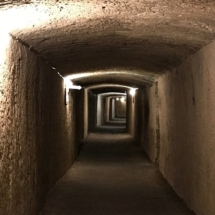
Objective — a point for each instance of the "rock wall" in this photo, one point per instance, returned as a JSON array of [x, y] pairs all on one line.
[[130, 117], [92, 111], [182, 110], [151, 122], [121, 108], [37, 131]]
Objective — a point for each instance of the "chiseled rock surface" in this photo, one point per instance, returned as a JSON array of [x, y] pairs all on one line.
[[151, 35]]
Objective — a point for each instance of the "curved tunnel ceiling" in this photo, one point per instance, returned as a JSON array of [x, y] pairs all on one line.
[[112, 94], [131, 78], [108, 90], [148, 35], [105, 88]]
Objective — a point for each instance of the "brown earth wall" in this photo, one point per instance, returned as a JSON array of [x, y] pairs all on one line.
[[37, 131], [181, 123]]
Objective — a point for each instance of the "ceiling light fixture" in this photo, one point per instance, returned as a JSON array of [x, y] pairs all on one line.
[[69, 85], [133, 91]]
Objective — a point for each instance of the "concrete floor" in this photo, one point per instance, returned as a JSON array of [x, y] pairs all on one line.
[[112, 127], [109, 177]]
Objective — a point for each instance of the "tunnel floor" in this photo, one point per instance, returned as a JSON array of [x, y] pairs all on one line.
[[112, 176]]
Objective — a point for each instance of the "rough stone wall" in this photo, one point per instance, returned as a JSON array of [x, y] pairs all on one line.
[[99, 110], [130, 117], [121, 108], [113, 108], [106, 109], [36, 131], [85, 111], [144, 136], [151, 124], [139, 116], [92, 111], [186, 105], [79, 111], [103, 113]]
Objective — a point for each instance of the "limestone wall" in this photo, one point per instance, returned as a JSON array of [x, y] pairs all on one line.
[[37, 142], [151, 124], [121, 108], [183, 113]]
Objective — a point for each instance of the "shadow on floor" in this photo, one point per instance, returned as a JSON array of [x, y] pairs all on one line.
[[113, 177]]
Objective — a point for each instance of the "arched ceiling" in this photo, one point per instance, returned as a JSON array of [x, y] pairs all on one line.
[[132, 78], [112, 94], [109, 90], [102, 86], [82, 35]]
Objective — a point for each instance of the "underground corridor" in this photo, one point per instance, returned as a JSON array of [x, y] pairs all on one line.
[[107, 107]]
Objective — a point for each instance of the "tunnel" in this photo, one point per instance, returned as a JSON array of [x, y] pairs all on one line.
[[107, 107]]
